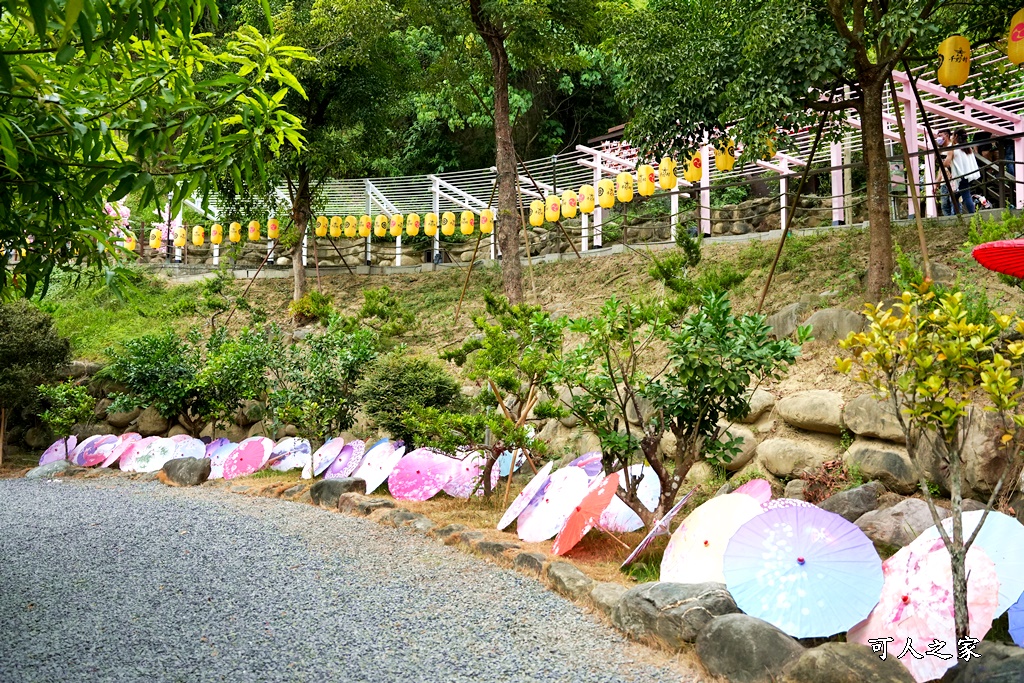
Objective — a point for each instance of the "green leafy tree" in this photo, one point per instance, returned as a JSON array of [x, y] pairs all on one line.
[[68, 404], [31, 352], [102, 99], [695, 68], [939, 371]]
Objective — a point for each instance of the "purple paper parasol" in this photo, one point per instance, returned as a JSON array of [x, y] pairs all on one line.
[[347, 461], [590, 463], [758, 489], [618, 516], [215, 445], [777, 503], [290, 453], [421, 475], [326, 454], [120, 447], [1016, 613], [189, 447], [99, 452], [660, 528], [527, 495], [248, 457], [218, 457], [469, 477], [87, 445], [546, 514], [807, 571], [59, 450], [378, 463]]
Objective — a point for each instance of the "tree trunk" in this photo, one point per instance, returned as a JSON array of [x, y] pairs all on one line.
[[957, 555], [505, 156], [877, 166], [301, 213]]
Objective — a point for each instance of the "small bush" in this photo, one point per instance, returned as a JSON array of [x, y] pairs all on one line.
[[68, 404], [313, 307], [396, 383]]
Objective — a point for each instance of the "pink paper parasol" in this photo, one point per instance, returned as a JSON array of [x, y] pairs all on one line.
[[248, 457], [180, 438], [120, 447], [527, 495], [469, 475], [697, 548], [153, 456], [290, 453], [660, 528], [130, 455], [421, 474], [326, 454], [758, 489], [347, 461], [917, 606], [99, 452], [87, 444], [218, 457], [618, 516], [586, 515], [59, 450], [378, 463], [545, 515]]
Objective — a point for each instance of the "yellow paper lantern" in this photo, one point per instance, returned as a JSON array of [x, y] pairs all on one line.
[[155, 237], [217, 233], [725, 155], [624, 187], [587, 198], [694, 168], [430, 224], [412, 224], [254, 231], [667, 174], [954, 61], [536, 213], [321, 226], [645, 180], [606, 193], [552, 208], [129, 241], [198, 235], [273, 229], [364, 226], [179, 237], [448, 223], [351, 226], [380, 225], [487, 221], [570, 204], [467, 223], [1015, 41], [397, 224]]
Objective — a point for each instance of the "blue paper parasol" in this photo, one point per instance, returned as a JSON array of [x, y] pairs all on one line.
[[805, 570], [1016, 613]]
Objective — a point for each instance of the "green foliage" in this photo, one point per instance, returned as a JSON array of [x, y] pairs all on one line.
[[312, 307], [386, 313], [547, 410], [908, 276], [644, 571], [395, 384], [104, 99], [845, 440], [31, 353], [67, 404], [1008, 226], [674, 271]]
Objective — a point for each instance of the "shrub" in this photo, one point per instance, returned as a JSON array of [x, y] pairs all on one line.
[[396, 383], [313, 307], [68, 404]]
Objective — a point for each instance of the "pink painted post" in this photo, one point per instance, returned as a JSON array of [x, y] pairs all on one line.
[[705, 190], [931, 210], [910, 130], [838, 198]]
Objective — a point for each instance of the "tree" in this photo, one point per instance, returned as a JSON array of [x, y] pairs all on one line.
[[103, 99], [702, 70], [939, 371], [68, 404], [31, 353]]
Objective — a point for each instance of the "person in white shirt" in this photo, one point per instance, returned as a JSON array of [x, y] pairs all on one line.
[[964, 168]]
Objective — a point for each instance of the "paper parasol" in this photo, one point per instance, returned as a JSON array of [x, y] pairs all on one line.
[[120, 447], [546, 514], [527, 495], [152, 457], [618, 516], [590, 463], [776, 503], [290, 453], [805, 570], [347, 461], [1002, 539], [377, 464], [216, 445], [421, 474], [1001, 256], [917, 603], [59, 450], [695, 551], [326, 454], [660, 528], [505, 461], [469, 477], [586, 514], [190, 448], [87, 446], [98, 452], [218, 457], [1016, 613], [131, 453], [758, 489], [248, 457]]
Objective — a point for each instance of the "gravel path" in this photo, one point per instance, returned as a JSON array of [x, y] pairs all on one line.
[[110, 580]]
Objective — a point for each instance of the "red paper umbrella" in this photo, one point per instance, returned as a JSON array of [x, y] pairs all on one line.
[[1003, 256], [586, 515]]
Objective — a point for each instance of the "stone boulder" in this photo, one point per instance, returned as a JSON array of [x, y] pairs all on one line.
[[984, 460], [854, 503], [747, 444], [671, 613], [186, 471], [357, 503], [900, 524], [57, 468], [868, 416], [845, 663], [784, 322], [795, 490], [788, 458], [830, 324], [326, 492], [122, 420], [744, 649], [606, 596], [250, 413], [151, 423], [998, 663], [885, 461], [761, 402], [566, 579], [817, 410], [532, 563], [38, 438]]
